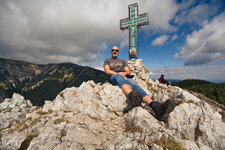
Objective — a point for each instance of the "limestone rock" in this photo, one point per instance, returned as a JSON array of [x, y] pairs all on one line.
[[14, 140], [141, 121], [13, 110], [185, 121], [211, 128]]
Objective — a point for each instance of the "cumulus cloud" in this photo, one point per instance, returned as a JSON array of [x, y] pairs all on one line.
[[205, 45], [70, 30], [198, 14], [160, 14], [191, 72], [159, 40], [54, 31]]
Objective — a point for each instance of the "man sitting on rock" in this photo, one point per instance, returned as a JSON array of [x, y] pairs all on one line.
[[119, 73]]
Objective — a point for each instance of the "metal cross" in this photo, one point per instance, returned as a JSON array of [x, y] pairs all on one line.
[[132, 23]]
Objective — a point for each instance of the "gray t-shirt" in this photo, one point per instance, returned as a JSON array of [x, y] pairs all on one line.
[[116, 65]]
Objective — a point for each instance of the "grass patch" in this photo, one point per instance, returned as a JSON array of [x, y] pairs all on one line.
[[141, 141], [63, 132], [169, 143], [20, 126], [23, 124], [35, 121], [67, 111], [130, 126], [1, 129], [42, 112], [59, 120]]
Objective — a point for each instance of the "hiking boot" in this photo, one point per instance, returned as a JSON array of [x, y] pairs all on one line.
[[162, 110], [134, 99], [127, 109]]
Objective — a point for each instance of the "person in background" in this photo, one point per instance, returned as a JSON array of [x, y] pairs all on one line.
[[119, 74], [163, 81]]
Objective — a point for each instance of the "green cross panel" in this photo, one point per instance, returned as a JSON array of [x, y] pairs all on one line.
[[133, 23]]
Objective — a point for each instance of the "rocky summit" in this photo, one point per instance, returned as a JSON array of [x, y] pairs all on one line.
[[91, 117]]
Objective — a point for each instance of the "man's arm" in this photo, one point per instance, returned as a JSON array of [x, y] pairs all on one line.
[[108, 71], [127, 71]]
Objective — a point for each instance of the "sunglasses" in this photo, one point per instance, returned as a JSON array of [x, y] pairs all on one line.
[[115, 50]]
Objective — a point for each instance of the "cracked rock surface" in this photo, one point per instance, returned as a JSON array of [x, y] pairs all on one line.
[[91, 117]]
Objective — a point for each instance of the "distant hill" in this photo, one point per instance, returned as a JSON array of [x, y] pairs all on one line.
[[43, 82], [190, 82], [215, 91]]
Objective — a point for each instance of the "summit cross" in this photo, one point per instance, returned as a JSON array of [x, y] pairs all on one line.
[[133, 23]]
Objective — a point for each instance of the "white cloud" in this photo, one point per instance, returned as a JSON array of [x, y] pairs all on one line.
[[198, 14], [174, 37], [185, 5], [205, 45], [124, 43], [70, 30], [160, 13], [159, 40], [205, 72]]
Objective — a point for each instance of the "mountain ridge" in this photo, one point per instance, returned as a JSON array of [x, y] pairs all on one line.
[[32, 80]]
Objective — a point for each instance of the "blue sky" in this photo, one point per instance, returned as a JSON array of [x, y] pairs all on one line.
[[184, 38], [170, 43]]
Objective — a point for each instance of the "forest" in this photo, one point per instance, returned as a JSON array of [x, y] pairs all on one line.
[[214, 91]]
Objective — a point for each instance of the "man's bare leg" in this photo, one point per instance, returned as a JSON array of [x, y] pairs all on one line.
[[147, 99], [126, 89]]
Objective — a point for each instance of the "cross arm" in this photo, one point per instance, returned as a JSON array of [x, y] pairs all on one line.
[[143, 19], [125, 23]]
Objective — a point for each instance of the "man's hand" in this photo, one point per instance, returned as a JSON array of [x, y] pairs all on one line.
[[123, 74]]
